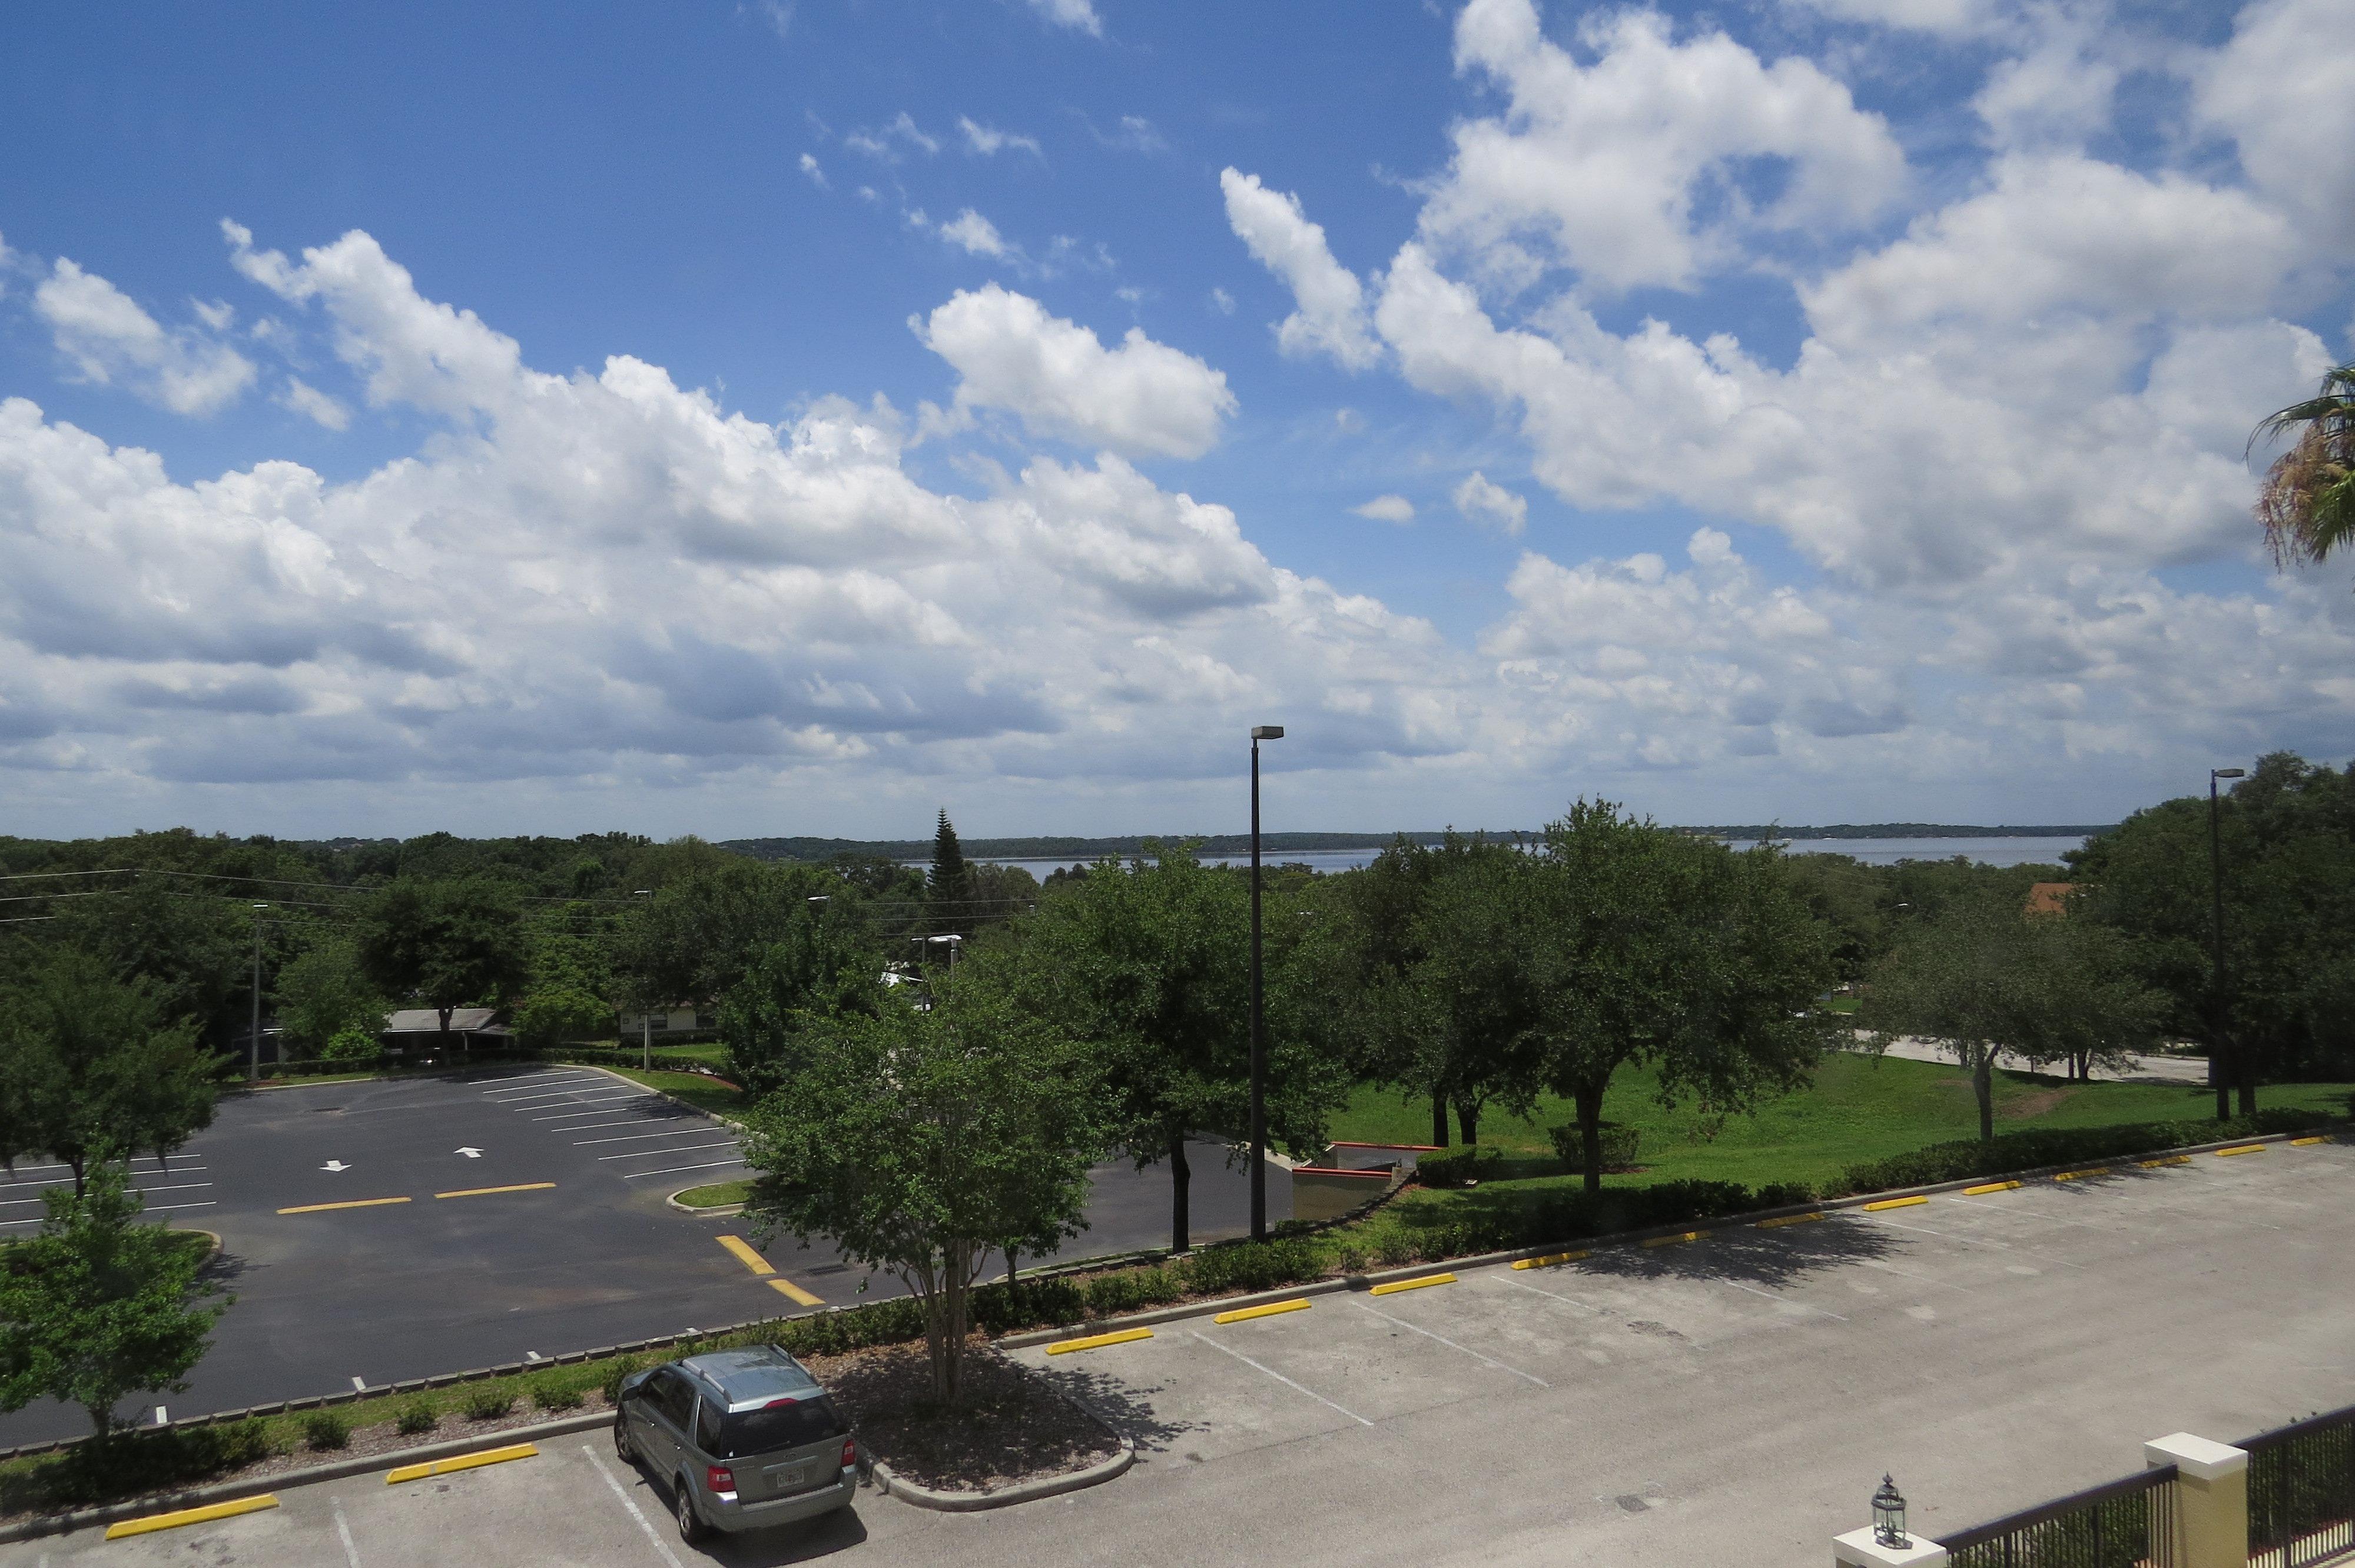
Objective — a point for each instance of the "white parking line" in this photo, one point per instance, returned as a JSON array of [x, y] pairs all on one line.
[[1451, 1345], [1972, 1241], [1566, 1300], [527, 1077], [642, 1137], [551, 1095], [343, 1532], [674, 1149], [607, 1476], [590, 1108], [1279, 1377], [639, 1121], [1771, 1297], [543, 1079], [634, 1175]]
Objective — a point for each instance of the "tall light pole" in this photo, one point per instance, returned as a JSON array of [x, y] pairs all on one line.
[[646, 1012], [2224, 1063], [1258, 1013], [253, 1038]]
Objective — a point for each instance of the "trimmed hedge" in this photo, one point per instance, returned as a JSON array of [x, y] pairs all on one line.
[[131, 1462], [1533, 1218], [1965, 1159]]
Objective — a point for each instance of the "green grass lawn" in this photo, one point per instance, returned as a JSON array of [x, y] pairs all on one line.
[[715, 1196], [693, 1087], [1858, 1108]]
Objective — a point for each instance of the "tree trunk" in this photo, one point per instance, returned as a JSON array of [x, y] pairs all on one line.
[[1589, 1101], [444, 1014], [1467, 1121], [2244, 1064], [950, 1385], [1181, 1176], [1983, 1085], [1439, 1119], [78, 1164]]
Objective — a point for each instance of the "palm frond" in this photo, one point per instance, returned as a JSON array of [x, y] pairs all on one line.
[[2307, 505]]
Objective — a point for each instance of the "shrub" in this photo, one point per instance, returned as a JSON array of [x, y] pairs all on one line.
[[1451, 1166], [1352, 1257], [1254, 1265], [1393, 1250], [348, 1044], [129, 1463], [619, 1368], [418, 1416], [1133, 1289], [325, 1430], [1965, 1159], [489, 1401], [1620, 1142], [556, 1391]]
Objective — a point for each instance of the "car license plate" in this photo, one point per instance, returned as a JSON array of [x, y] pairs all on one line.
[[785, 1477]]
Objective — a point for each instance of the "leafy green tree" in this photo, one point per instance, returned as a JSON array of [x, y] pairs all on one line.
[[1661, 948], [1148, 963], [97, 1306], [2307, 505], [701, 933], [1470, 1013], [447, 943], [553, 1017], [193, 947], [918, 1142], [2288, 841], [1984, 977], [89, 1062], [826, 963], [948, 886], [322, 992]]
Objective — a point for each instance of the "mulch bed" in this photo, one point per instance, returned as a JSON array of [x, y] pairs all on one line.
[[1013, 1427]]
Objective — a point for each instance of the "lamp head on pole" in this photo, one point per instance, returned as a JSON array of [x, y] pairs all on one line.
[[2228, 773], [1267, 732], [1889, 1515]]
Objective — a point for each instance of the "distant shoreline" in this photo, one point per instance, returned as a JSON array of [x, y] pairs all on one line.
[[1078, 849]]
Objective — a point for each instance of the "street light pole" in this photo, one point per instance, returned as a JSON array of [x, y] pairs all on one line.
[[1258, 1013], [253, 1038], [2224, 1063]]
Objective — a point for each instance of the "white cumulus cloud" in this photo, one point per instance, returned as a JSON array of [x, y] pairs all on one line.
[[1332, 315], [1077, 15], [109, 338], [988, 140], [1386, 509], [1483, 501], [1059, 380]]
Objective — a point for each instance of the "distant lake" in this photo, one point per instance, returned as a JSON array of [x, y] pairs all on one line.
[[1873, 851]]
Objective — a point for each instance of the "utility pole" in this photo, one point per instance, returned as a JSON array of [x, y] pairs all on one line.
[[1258, 1013]]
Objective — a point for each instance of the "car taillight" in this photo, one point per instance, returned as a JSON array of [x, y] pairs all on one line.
[[849, 1452], [720, 1477]]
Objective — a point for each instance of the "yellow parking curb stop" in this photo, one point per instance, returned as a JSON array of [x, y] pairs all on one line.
[[787, 1288], [1551, 1260], [746, 1255], [2166, 1160], [1781, 1220], [1672, 1241], [191, 1516], [1396, 1286], [463, 1462], [352, 1204], [1990, 1187], [2244, 1149], [1896, 1204], [2307, 1142], [1096, 1341], [1242, 1313], [2081, 1175]]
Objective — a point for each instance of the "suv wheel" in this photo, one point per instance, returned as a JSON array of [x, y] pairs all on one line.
[[691, 1527], [622, 1449]]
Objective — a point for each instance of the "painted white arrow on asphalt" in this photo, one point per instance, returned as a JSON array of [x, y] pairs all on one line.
[[469, 1153], [335, 1165]]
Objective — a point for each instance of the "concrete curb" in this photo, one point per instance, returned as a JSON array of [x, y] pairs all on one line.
[[718, 1212], [908, 1491], [334, 1470]]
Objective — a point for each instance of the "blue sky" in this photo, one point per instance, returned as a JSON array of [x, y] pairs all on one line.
[[763, 419]]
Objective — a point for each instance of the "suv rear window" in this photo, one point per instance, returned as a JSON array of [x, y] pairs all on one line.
[[787, 1424]]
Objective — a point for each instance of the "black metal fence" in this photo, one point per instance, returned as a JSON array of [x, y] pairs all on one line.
[[2302, 1491], [2128, 1523]]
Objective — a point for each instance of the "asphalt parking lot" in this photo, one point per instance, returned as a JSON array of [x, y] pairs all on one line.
[[1728, 1400], [376, 1232]]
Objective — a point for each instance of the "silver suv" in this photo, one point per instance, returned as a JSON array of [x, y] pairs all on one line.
[[742, 1438]]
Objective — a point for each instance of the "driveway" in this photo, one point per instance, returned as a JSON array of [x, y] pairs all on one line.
[[1731, 1400]]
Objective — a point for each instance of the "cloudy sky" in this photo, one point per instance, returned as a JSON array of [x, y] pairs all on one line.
[[791, 419]]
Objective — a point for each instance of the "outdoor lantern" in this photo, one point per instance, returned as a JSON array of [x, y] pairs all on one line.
[[1889, 1515]]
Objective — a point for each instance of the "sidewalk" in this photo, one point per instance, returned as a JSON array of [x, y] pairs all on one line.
[[2140, 1069]]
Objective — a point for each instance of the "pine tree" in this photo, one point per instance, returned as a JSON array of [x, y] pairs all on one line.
[[949, 884]]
